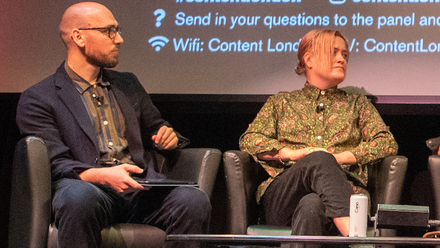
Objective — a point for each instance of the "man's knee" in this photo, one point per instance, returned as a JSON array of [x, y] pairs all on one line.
[[192, 201], [78, 197]]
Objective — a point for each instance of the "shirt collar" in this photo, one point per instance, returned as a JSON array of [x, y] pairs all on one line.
[[83, 85], [315, 92]]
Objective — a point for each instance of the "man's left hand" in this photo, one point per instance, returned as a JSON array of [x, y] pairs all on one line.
[[165, 139]]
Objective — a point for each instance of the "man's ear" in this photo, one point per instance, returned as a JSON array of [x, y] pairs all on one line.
[[78, 38]]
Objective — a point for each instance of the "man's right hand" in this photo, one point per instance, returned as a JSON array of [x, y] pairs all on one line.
[[117, 177]]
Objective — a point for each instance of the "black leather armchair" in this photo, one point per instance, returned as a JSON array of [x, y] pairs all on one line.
[[243, 175], [434, 171], [30, 215]]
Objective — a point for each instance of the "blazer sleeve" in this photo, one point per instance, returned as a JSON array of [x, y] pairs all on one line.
[[40, 112], [148, 116]]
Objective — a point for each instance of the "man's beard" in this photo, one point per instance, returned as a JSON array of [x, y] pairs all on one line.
[[104, 63]]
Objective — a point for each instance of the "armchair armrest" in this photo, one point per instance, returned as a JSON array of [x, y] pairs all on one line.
[[195, 164], [434, 169], [385, 184], [30, 213], [386, 181], [243, 175]]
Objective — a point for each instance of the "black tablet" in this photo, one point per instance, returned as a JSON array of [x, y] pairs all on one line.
[[165, 182]]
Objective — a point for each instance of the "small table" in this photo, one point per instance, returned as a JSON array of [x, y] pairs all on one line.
[[265, 240]]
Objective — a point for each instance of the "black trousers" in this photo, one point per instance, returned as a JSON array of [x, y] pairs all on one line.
[[308, 195], [82, 210]]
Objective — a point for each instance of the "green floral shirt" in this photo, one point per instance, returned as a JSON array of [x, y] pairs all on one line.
[[330, 119]]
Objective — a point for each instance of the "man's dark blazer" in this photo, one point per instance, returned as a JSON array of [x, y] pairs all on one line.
[[53, 110]]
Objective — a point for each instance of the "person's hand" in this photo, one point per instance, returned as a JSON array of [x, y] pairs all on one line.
[[315, 149], [286, 154], [117, 177], [345, 158], [298, 154], [165, 139], [293, 155]]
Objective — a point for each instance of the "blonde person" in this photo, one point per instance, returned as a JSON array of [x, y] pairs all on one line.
[[315, 142]]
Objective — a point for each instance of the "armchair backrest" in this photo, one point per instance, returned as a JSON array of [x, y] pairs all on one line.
[[30, 209]]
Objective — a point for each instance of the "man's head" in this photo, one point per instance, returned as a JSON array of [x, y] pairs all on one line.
[[319, 51], [90, 32]]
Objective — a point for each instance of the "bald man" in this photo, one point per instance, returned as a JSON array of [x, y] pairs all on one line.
[[101, 129]]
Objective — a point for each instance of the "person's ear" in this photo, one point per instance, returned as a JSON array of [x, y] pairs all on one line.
[[78, 37], [308, 60]]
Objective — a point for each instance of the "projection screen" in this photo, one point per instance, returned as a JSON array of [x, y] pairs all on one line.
[[238, 46]]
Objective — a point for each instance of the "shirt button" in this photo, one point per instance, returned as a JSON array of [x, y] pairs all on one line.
[[322, 92], [105, 123], [319, 137], [110, 143], [93, 95]]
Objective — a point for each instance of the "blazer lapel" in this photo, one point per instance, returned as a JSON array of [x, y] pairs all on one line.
[[132, 131], [131, 110], [71, 98]]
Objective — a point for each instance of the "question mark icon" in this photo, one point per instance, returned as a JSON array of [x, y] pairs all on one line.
[[160, 13]]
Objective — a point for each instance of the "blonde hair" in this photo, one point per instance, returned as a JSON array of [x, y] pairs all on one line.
[[320, 43]]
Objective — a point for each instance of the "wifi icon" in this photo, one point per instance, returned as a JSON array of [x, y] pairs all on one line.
[[158, 42]]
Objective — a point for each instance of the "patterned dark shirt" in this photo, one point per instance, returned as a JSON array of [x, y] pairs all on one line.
[[332, 119], [106, 118]]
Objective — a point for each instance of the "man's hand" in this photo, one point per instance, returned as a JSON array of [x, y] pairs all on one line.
[[117, 177], [165, 139]]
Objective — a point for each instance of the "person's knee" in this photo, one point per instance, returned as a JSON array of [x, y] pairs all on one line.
[[323, 156], [309, 217], [320, 160], [311, 207], [193, 202], [79, 198]]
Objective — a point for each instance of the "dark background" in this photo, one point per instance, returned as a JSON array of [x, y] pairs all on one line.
[[217, 121]]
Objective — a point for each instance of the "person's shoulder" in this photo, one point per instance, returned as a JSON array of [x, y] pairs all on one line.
[[359, 96], [117, 75], [44, 87], [42, 93], [283, 97], [50, 82], [127, 82], [354, 92], [286, 94]]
